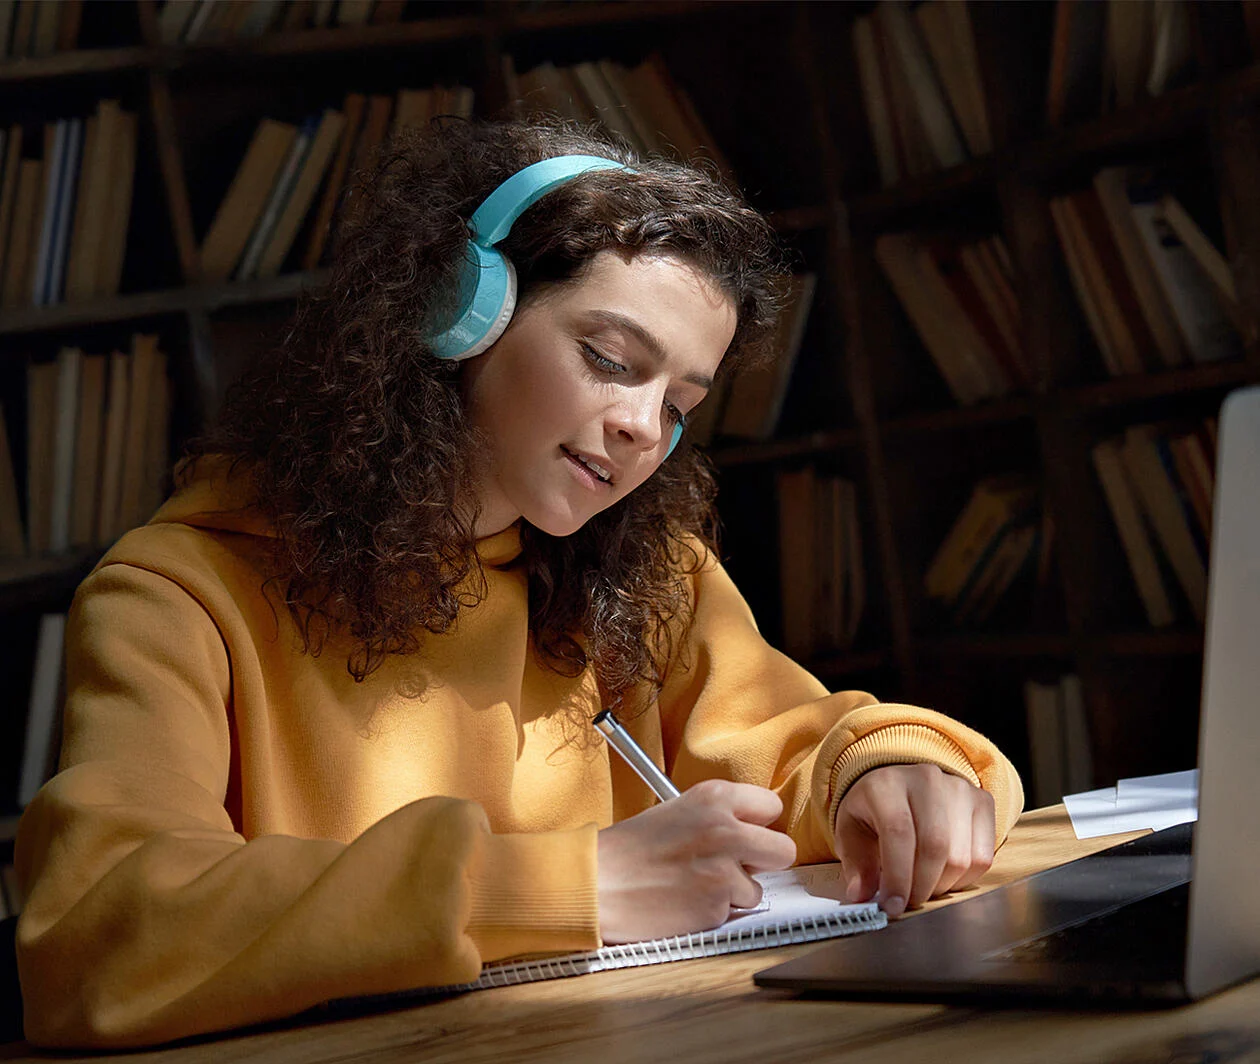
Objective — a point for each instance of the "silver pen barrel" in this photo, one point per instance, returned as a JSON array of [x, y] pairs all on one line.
[[619, 739]]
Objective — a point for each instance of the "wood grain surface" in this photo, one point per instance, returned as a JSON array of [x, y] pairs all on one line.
[[709, 1012]]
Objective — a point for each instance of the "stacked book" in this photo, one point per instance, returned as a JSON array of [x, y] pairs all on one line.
[[35, 28], [921, 88], [41, 739], [97, 452], [208, 21], [748, 406], [1110, 54], [643, 104], [1001, 535], [64, 211], [822, 577], [959, 294], [1059, 746], [1158, 482], [286, 165], [1155, 291]]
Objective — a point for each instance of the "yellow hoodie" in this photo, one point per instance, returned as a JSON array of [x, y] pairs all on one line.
[[239, 831]]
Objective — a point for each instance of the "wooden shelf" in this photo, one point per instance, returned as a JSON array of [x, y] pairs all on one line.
[[151, 304], [332, 41], [727, 455], [996, 645], [1014, 408], [84, 62], [1140, 386]]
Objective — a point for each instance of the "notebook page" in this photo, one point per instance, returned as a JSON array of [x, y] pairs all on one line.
[[805, 893]]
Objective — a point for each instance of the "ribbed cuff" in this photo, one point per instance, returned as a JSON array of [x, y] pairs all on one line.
[[896, 744], [535, 893]]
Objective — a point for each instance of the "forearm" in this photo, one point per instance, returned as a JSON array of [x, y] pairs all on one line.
[[150, 922]]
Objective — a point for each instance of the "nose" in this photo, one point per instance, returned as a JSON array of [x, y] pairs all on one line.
[[637, 416]]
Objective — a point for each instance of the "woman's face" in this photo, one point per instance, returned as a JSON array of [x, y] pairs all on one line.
[[580, 395]]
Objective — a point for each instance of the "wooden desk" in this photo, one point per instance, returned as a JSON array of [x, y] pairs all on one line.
[[709, 1012]]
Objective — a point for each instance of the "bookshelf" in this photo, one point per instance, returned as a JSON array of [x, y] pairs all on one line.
[[777, 86]]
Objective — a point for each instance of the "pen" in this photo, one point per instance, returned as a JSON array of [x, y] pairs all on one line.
[[619, 739]]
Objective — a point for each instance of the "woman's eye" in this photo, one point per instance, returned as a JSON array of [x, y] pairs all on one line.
[[600, 362], [674, 414]]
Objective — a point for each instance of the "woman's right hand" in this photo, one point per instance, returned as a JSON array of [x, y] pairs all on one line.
[[681, 865]]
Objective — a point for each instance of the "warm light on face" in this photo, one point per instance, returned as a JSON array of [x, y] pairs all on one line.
[[580, 396]]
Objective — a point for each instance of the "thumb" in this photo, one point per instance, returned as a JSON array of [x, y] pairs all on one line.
[[858, 850]]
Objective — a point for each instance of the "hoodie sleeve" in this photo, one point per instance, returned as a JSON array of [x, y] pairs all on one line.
[[149, 917], [734, 707]]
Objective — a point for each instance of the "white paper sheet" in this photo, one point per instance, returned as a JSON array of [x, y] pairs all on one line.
[[1153, 802]]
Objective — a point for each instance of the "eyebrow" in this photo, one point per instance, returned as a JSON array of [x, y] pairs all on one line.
[[655, 348]]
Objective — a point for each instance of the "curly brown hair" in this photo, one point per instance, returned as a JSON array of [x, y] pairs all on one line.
[[356, 439]]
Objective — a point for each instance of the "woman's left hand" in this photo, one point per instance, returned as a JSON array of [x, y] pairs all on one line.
[[907, 833]]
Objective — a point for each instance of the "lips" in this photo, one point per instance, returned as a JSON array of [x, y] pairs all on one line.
[[599, 471]]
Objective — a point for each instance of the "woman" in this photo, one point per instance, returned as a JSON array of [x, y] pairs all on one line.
[[328, 719]]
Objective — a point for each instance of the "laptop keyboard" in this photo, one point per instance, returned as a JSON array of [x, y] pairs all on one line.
[[1147, 932]]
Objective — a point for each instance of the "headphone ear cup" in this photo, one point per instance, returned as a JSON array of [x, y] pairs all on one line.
[[487, 300], [673, 440]]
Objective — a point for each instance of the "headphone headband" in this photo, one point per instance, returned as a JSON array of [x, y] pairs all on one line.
[[493, 220]]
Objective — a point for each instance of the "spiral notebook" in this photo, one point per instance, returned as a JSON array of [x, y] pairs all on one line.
[[797, 905]]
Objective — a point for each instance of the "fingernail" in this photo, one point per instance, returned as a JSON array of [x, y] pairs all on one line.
[[854, 889], [894, 906]]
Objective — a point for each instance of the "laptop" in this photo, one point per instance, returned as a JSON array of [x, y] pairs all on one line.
[[1166, 918]]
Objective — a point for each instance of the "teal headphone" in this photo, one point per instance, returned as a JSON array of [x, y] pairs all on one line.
[[487, 280]]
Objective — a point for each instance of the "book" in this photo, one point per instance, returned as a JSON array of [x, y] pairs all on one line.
[[1210, 260], [798, 905], [1130, 41], [1206, 330], [875, 101], [756, 396], [43, 707], [246, 198], [69, 367], [41, 419], [923, 298], [1112, 186], [113, 250], [113, 446], [371, 137], [1158, 497], [12, 534], [145, 361], [912, 63], [1139, 550], [609, 109], [8, 188], [1043, 710], [23, 233], [55, 134], [993, 504], [969, 316], [1172, 53], [951, 40], [312, 172], [88, 450], [277, 199], [93, 208], [54, 285], [1101, 285], [1077, 744], [354, 109]]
